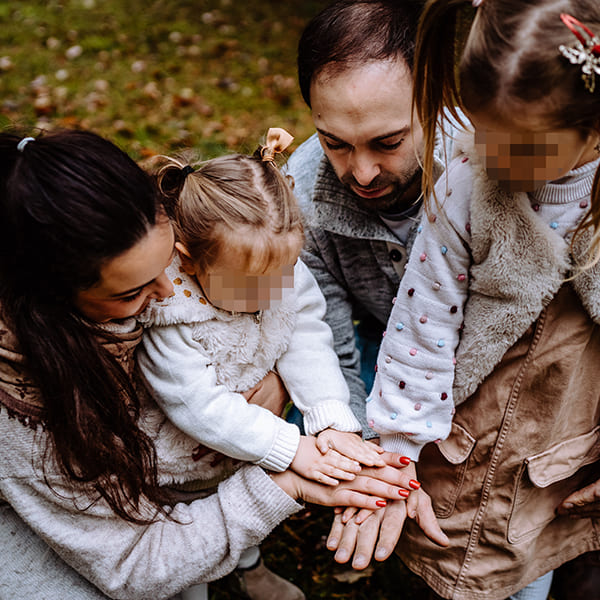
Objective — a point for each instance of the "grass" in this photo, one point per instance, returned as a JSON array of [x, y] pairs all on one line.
[[157, 76]]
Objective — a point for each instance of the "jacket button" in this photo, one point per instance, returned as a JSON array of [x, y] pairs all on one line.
[[395, 255]]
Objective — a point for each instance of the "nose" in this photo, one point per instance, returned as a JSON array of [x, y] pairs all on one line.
[[162, 287], [364, 167]]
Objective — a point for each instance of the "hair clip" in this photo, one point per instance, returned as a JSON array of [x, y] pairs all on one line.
[[21, 145], [585, 51], [278, 140]]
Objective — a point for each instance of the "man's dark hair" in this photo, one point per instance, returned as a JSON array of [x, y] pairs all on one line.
[[352, 32]]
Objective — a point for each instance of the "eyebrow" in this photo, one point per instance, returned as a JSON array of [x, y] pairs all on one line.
[[379, 138]]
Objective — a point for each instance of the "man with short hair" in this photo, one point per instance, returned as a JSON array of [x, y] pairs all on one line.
[[358, 179]]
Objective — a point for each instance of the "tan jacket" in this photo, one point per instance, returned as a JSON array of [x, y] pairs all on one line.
[[529, 435]]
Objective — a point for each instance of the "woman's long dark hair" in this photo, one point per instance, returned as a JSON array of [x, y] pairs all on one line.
[[69, 202]]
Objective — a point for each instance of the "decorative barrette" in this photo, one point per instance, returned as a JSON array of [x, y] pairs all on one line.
[[585, 51], [278, 140]]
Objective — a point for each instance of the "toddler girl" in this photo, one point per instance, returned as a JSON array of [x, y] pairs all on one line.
[[244, 305], [505, 263]]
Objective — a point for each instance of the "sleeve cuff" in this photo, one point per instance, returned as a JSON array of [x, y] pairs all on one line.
[[283, 450], [402, 445], [332, 414], [265, 499]]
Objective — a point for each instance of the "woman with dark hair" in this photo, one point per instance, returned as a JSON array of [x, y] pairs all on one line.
[[84, 241]]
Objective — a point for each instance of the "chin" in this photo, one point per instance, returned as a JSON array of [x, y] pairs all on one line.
[[378, 203]]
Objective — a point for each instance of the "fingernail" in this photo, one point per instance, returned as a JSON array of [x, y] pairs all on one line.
[[381, 553], [415, 485], [404, 460], [567, 505], [404, 493], [381, 503], [332, 544], [342, 555], [359, 560]]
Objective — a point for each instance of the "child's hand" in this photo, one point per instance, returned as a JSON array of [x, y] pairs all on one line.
[[326, 468], [351, 446]]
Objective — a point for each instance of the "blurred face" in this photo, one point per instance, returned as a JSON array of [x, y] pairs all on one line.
[[128, 282], [363, 118], [238, 283], [522, 152]]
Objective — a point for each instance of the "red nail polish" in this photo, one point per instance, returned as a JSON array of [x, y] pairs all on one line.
[[415, 485], [381, 503], [404, 460], [404, 493]]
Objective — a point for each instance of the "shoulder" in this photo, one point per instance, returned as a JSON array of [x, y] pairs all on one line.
[[454, 189]]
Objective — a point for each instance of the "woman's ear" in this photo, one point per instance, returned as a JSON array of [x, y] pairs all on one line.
[[186, 260]]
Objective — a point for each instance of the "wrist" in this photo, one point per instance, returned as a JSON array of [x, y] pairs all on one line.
[[287, 481]]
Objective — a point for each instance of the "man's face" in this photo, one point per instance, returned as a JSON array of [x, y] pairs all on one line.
[[363, 117]]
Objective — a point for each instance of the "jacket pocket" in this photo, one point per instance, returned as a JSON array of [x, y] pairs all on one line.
[[546, 479], [444, 466]]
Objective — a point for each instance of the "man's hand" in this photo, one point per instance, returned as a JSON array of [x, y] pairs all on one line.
[[379, 533], [270, 393], [583, 503]]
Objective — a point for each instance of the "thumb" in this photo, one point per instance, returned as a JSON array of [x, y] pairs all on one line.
[[586, 495], [427, 520]]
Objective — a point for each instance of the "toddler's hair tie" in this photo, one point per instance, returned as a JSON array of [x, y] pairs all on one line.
[[186, 171], [585, 51], [278, 140], [21, 145]]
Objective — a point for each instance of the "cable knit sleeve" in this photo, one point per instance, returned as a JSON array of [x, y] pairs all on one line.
[[184, 384], [310, 368], [411, 402]]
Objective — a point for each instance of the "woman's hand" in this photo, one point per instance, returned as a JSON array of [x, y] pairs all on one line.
[[270, 393], [583, 503], [371, 489]]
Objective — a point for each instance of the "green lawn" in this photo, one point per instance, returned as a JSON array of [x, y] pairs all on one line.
[[155, 76]]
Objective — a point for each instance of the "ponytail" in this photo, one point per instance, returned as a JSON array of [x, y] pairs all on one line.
[[435, 84]]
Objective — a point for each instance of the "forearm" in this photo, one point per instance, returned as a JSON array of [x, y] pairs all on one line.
[[411, 401], [184, 385], [202, 541]]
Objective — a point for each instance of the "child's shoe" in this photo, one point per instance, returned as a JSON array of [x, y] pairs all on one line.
[[260, 583]]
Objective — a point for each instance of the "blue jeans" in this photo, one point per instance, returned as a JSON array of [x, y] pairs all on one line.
[[538, 590]]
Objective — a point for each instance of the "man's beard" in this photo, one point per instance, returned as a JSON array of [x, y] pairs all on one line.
[[394, 201]]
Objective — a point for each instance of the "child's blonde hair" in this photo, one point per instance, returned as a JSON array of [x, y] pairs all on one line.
[[216, 200], [511, 56]]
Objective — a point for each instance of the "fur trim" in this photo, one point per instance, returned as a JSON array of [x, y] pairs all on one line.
[[518, 265]]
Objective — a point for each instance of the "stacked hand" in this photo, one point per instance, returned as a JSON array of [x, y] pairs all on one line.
[[366, 533], [371, 488]]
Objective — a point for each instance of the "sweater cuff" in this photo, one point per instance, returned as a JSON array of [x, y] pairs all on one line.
[[402, 445], [283, 450], [260, 497], [332, 414]]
